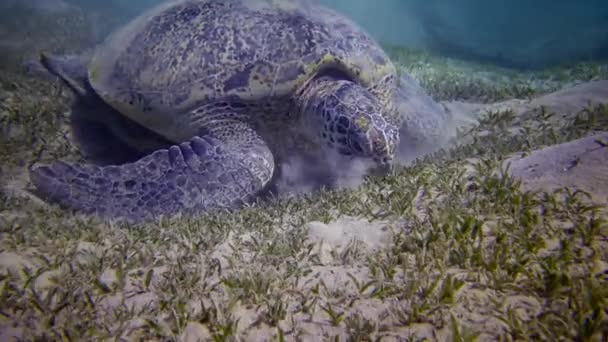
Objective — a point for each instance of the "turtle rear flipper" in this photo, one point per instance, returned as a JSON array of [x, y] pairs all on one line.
[[211, 171], [103, 134], [72, 70]]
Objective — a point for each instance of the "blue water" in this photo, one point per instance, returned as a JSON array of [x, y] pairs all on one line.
[[512, 33], [519, 33]]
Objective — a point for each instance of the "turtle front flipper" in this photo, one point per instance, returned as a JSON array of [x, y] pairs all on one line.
[[221, 168]]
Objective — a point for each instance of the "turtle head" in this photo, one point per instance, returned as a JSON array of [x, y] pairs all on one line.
[[348, 119]]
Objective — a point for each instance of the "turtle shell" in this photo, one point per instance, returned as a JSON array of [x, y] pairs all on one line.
[[183, 55]]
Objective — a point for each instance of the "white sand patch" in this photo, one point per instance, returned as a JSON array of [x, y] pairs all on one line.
[[565, 103], [346, 232], [580, 164], [15, 262]]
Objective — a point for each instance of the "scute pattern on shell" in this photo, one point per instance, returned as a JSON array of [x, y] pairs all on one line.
[[196, 52]]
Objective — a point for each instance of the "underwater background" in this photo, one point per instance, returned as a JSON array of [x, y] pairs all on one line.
[[502, 235], [520, 34]]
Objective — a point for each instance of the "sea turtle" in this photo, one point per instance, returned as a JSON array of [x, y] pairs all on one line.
[[233, 86]]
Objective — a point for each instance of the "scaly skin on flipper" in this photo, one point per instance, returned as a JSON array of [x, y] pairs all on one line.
[[202, 174]]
